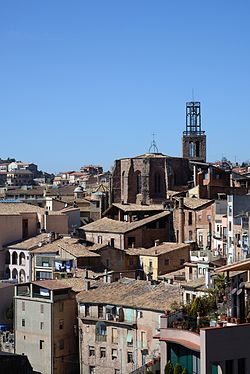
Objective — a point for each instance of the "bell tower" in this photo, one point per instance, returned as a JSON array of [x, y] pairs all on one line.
[[194, 139]]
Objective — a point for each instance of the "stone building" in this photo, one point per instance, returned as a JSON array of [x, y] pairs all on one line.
[[146, 179], [46, 326], [117, 325], [122, 235]]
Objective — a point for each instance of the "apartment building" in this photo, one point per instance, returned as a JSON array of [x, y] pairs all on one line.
[[193, 221], [46, 326], [61, 258], [238, 210], [117, 323]]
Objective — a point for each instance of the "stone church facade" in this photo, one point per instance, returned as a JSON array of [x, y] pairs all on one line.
[[146, 179]]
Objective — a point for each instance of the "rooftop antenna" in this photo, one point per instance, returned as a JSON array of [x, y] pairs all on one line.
[[153, 147]]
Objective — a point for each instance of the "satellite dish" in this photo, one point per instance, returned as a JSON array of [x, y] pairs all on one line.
[[242, 284], [239, 292], [233, 291]]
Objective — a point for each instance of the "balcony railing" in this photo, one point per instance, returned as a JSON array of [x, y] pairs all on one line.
[[112, 319], [101, 338]]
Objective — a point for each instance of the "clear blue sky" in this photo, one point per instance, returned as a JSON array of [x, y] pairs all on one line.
[[90, 81]]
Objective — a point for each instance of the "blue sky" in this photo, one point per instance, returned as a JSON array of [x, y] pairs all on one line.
[[90, 81]]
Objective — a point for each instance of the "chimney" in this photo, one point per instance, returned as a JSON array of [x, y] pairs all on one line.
[[157, 242], [181, 220], [87, 286]]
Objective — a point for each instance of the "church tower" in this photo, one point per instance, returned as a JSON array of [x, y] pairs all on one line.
[[194, 140]]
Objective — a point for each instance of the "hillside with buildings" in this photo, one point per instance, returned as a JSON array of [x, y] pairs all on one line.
[[135, 271]]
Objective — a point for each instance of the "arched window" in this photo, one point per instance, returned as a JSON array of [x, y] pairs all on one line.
[[14, 258], [22, 276], [138, 182], [197, 148], [14, 274], [123, 181], [157, 183], [191, 150], [22, 259]]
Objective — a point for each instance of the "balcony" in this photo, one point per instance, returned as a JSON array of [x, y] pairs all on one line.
[[110, 319]]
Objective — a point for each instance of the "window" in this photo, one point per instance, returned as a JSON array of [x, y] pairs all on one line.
[[23, 322], [61, 323], [167, 261], [182, 261], [23, 306], [143, 340], [200, 240], [41, 325], [114, 337], [230, 226], [130, 357], [112, 242], [138, 182], [102, 352], [24, 337], [41, 308], [117, 371], [131, 241], [61, 307], [101, 332], [129, 338], [41, 344], [87, 311], [114, 354], [91, 351], [190, 218], [61, 344], [139, 314], [92, 370], [100, 311], [157, 183], [190, 235]]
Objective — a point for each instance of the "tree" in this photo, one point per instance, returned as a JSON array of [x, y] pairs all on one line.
[[169, 368], [198, 307], [177, 369], [184, 371]]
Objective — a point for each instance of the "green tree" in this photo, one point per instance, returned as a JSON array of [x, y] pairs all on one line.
[[198, 307], [178, 369], [184, 371], [169, 368]]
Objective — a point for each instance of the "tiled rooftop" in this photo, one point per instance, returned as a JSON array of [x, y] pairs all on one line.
[[109, 225], [17, 208], [133, 293], [157, 250], [195, 203]]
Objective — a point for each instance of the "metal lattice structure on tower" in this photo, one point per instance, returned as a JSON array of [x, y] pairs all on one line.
[[194, 139]]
